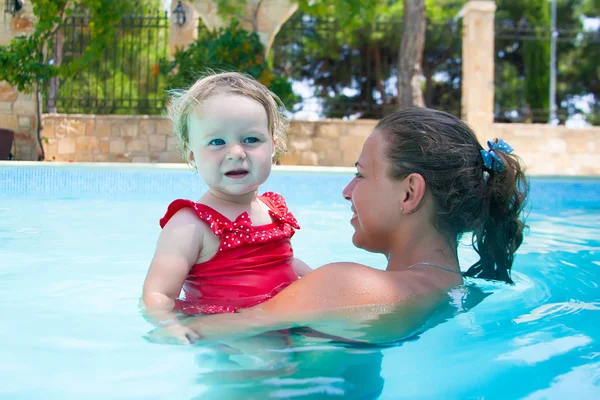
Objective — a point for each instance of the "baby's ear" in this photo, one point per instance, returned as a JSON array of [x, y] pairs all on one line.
[[274, 147], [190, 155]]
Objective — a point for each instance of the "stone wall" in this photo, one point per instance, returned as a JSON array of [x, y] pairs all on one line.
[[108, 138], [18, 110], [545, 150], [552, 150]]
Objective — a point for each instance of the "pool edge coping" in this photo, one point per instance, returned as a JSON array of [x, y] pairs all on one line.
[[183, 166]]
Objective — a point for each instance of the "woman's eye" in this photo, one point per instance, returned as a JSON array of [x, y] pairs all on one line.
[[358, 175], [251, 140], [217, 142]]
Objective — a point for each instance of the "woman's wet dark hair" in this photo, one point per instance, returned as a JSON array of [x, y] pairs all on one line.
[[446, 153]]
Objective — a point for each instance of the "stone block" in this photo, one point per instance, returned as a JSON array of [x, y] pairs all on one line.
[[157, 142], [309, 158], [361, 128], [324, 145], [25, 122], [25, 107], [104, 157], [352, 143], [170, 157], [301, 144], [129, 130], [87, 144], [331, 129], [163, 126], [117, 146], [172, 144], [302, 129], [556, 146], [140, 159], [147, 127], [137, 146], [66, 145], [102, 129], [583, 143], [290, 158], [104, 146], [83, 157], [9, 122], [6, 107], [70, 128], [8, 93]]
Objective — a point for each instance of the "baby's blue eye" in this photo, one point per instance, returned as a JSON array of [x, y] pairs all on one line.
[[216, 142], [251, 140]]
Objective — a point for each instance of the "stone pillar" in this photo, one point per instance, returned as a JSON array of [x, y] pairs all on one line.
[[18, 111], [478, 64], [265, 17], [180, 37]]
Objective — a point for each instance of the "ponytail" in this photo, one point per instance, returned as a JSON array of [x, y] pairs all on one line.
[[501, 231]]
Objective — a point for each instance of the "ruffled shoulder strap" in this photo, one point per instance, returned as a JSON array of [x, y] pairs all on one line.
[[278, 208], [217, 221]]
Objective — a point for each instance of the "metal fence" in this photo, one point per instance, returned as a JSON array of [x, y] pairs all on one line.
[[348, 74], [523, 78], [125, 79]]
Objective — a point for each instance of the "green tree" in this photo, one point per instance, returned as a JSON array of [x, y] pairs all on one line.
[[24, 62], [352, 59], [231, 48], [522, 66]]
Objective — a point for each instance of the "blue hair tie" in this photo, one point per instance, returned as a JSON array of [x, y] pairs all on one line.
[[491, 160]]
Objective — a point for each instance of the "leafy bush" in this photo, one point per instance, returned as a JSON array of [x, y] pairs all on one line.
[[230, 48]]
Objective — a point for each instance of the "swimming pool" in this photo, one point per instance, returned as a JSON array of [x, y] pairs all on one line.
[[75, 243]]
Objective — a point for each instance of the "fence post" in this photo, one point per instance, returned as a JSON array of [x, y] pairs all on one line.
[[478, 65], [180, 37], [18, 111]]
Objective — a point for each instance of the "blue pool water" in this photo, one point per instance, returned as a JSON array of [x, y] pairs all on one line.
[[75, 243]]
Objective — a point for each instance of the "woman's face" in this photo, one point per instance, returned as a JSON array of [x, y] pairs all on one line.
[[375, 197]]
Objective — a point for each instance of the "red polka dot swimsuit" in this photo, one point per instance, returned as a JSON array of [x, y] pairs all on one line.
[[252, 264]]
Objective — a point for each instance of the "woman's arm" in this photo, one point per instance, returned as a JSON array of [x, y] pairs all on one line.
[[304, 303]]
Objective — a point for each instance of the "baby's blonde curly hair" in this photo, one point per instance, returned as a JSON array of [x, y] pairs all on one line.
[[185, 102]]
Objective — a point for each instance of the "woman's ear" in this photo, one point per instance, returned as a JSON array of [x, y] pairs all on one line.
[[414, 192]]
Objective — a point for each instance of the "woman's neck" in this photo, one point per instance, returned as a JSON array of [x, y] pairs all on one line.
[[429, 247]]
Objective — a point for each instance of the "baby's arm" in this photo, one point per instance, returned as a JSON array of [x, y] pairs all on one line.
[[177, 250], [300, 267]]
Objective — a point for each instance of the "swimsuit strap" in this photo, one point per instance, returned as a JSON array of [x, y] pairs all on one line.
[[435, 266]]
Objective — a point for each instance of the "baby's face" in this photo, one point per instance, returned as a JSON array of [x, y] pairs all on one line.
[[230, 144]]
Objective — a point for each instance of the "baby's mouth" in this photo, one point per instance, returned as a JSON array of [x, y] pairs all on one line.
[[236, 173]]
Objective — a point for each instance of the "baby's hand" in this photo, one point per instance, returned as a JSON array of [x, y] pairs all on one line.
[[173, 334]]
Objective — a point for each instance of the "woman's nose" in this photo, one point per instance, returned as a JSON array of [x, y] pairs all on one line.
[[347, 192]]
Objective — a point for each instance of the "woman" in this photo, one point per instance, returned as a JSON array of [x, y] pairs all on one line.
[[422, 181]]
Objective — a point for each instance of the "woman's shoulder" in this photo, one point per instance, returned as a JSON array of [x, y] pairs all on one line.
[[340, 284]]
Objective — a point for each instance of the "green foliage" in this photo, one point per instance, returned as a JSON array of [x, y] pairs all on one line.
[[522, 66], [231, 48], [348, 51], [537, 60], [25, 64]]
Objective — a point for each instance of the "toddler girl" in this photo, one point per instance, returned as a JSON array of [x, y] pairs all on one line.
[[231, 248]]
